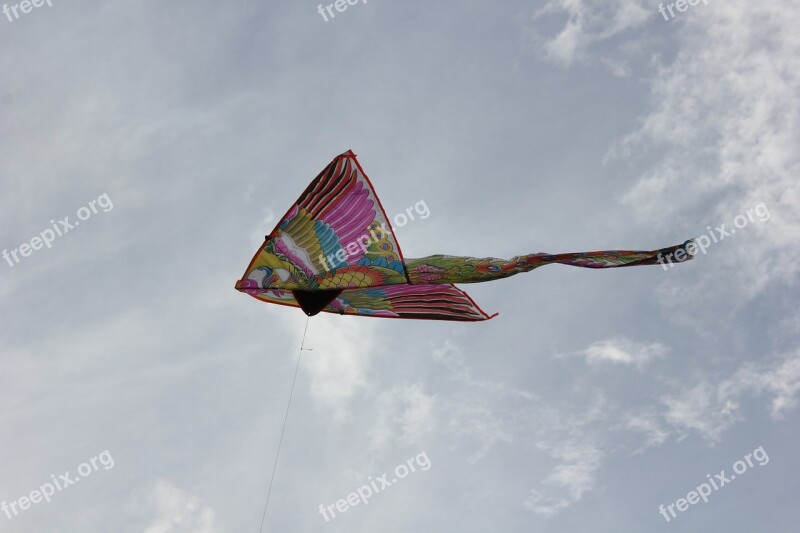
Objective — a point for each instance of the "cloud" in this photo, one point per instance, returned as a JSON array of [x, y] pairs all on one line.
[[450, 355], [722, 130], [483, 409], [488, 414], [648, 424], [623, 352], [703, 409], [588, 22], [726, 119], [484, 424], [179, 512], [340, 371], [544, 505], [711, 409], [405, 415], [265, 225], [566, 45], [576, 473], [781, 380]]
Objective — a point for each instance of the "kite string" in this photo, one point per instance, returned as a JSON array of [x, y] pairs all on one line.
[[283, 429]]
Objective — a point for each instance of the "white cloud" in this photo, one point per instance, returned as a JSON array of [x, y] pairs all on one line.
[[405, 414], [781, 380], [450, 355], [564, 47], [545, 505], [179, 512], [712, 409], [649, 425], [623, 351], [494, 413], [588, 22], [265, 225], [574, 439], [340, 367], [703, 409], [472, 412], [576, 473], [725, 113], [488, 427]]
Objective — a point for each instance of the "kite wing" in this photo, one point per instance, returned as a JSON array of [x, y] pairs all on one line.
[[436, 302], [336, 236], [433, 302]]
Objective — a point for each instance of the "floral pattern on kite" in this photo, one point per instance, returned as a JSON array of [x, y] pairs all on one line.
[[335, 236]]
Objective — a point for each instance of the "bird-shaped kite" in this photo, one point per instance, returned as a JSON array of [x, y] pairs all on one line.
[[335, 251]]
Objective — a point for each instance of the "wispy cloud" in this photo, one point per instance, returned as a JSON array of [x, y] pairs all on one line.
[[649, 424], [179, 512], [576, 471], [703, 409], [622, 351], [405, 415], [588, 22], [710, 409], [545, 505], [725, 114], [342, 373]]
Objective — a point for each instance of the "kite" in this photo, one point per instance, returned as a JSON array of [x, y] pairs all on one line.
[[335, 251]]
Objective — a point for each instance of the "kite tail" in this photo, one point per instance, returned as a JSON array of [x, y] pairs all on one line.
[[617, 258], [453, 269]]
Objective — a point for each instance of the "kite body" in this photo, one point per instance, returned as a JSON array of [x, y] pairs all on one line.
[[335, 251]]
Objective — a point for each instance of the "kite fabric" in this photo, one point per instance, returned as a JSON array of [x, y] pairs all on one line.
[[335, 251]]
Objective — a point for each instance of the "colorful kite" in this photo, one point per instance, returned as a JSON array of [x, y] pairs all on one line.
[[335, 251]]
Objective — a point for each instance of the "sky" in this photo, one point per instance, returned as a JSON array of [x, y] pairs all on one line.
[[142, 393]]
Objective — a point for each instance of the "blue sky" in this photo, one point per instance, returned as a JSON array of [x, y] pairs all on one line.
[[592, 399]]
